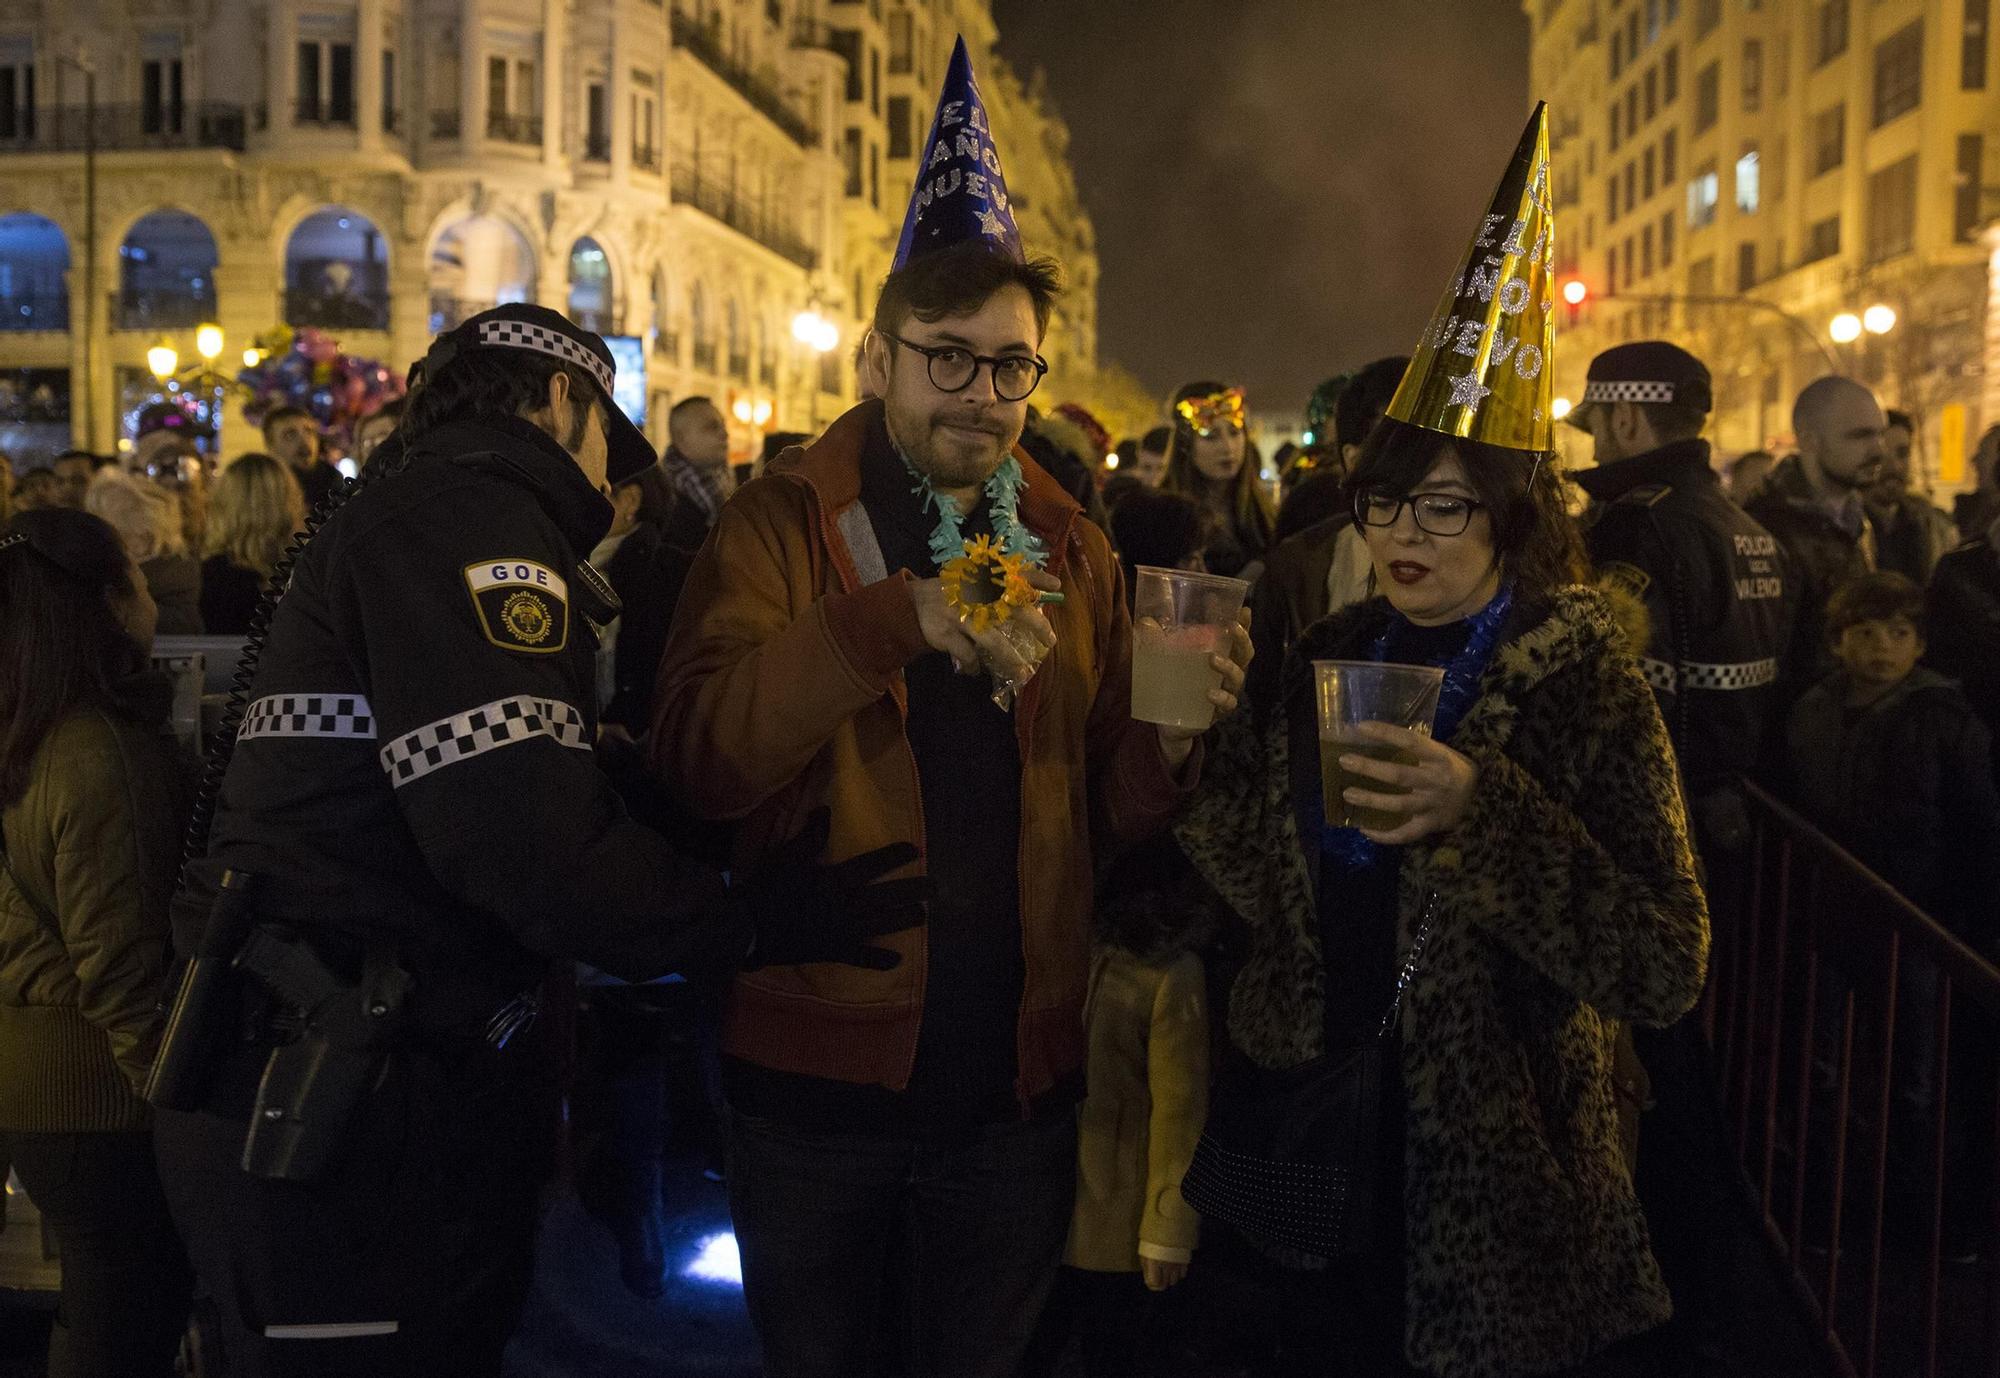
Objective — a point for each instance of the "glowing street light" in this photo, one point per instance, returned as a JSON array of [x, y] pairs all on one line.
[[1845, 328], [1561, 407], [252, 357], [815, 331], [208, 342], [1879, 319], [1575, 291], [741, 410], [760, 414], [163, 359]]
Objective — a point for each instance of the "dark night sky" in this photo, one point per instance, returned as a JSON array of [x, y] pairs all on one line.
[[1282, 193]]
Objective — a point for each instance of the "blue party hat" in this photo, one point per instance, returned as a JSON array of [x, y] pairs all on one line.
[[960, 192]]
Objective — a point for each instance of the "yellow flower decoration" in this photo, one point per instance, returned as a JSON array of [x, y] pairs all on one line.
[[985, 584]]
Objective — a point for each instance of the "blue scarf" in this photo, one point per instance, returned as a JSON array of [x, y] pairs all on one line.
[[1346, 848]]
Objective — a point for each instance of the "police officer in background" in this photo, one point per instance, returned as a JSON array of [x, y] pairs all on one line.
[[411, 832], [1712, 583]]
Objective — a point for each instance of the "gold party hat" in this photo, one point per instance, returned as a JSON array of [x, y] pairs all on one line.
[[1481, 370]]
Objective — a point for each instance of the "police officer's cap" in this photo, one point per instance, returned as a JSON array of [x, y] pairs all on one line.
[[539, 330], [1646, 371]]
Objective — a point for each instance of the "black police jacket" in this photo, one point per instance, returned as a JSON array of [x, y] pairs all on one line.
[[416, 759], [1714, 585]]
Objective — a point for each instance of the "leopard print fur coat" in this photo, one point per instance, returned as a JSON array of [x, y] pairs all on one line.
[[1567, 899]]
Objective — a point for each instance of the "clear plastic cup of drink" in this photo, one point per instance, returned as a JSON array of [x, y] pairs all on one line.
[[1352, 692], [1179, 620]]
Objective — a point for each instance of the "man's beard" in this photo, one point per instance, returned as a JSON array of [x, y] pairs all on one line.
[[945, 464]]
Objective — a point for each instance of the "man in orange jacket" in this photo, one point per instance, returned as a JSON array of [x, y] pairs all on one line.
[[923, 1114]]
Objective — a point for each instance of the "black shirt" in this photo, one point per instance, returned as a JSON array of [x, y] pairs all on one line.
[[969, 772]]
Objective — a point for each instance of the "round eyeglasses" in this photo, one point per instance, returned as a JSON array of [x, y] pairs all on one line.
[[952, 369], [1437, 514]]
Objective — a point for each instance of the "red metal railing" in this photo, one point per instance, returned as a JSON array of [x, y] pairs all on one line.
[[1855, 1040]]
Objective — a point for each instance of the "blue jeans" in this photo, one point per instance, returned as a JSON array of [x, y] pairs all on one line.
[[863, 1255]]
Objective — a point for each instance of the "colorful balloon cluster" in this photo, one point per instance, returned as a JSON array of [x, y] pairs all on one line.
[[305, 368]]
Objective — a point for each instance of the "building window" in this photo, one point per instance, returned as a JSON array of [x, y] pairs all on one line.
[[1615, 113], [1703, 193], [902, 48], [1647, 169], [17, 97], [1632, 36], [1707, 14], [1670, 77], [1617, 53], [646, 124], [1892, 210], [1631, 187], [161, 106], [1749, 194], [389, 90], [1708, 98], [1667, 240], [1611, 200], [1746, 266], [875, 174], [1652, 20], [850, 153], [1670, 147], [1829, 31], [1652, 89], [1972, 46], [1822, 240], [847, 42], [596, 124], [1899, 73], [1646, 252], [1753, 75], [1965, 203], [1631, 110], [1701, 278], [899, 127], [1829, 139], [874, 81]]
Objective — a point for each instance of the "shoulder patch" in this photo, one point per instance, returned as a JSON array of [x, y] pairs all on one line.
[[522, 605], [1626, 578]]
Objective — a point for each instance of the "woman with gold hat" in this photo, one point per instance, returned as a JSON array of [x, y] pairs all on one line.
[[1526, 887], [1211, 460]]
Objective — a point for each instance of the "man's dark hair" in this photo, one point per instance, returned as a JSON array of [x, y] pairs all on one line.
[[1159, 440], [62, 646], [1533, 533], [1365, 398], [681, 407], [1672, 421], [488, 383], [1153, 528], [1881, 597], [958, 281], [1893, 417], [284, 413], [97, 461]]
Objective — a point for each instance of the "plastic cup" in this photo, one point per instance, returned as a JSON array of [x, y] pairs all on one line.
[[1180, 619], [1352, 692]]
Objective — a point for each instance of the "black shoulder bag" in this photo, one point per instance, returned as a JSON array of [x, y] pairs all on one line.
[[1291, 1157]]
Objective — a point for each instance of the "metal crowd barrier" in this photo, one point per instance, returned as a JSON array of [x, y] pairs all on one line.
[[1855, 1039]]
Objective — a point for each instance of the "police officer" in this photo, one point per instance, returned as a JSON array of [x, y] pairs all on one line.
[[1711, 579], [411, 831], [1712, 583]]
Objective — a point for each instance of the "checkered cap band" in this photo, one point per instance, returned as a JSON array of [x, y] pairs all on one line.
[[480, 730], [526, 335], [1628, 392], [9, 542], [309, 715], [1739, 675]]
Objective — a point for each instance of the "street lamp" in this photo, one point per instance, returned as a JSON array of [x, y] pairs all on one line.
[[208, 343], [1561, 407], [815, 331], [1845, 328], [1878, 319], [164, 360]]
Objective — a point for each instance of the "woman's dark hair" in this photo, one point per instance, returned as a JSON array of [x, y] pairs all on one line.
[[958, 281], [1250, 511], [1534, 536], [62, 645], [491, 382], [1152, 528]]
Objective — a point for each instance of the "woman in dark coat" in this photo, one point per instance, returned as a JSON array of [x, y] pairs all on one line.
[[91, 810], [1542, 827]]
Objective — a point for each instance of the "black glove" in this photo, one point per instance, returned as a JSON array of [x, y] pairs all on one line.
[[802, 911]]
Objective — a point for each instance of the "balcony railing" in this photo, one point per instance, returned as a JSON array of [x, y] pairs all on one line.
[[513, 129], [646, 160], [160, 308], [704, 356], [691, 34], [349, 311], [724, 205], [322, 114], [64, 129], [444, 124], [34, 311]]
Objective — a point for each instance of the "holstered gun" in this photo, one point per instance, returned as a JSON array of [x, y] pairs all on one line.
[[312, 1085], [205, 1005]]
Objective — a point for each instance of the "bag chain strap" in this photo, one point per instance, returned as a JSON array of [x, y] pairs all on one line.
[[1410, 965]]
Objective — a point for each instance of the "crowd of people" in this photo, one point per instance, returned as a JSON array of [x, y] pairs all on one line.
[[1029, 1029]]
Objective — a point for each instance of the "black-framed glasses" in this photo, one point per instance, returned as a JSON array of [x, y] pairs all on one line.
[[1437, 514], [952, 369]]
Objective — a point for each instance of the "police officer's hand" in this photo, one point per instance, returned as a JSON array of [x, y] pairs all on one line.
[[802, 911]]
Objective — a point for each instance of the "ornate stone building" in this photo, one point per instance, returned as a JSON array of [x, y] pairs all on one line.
[[676, 173]]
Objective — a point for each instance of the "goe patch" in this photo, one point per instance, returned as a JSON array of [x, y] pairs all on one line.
[[522, 605]]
